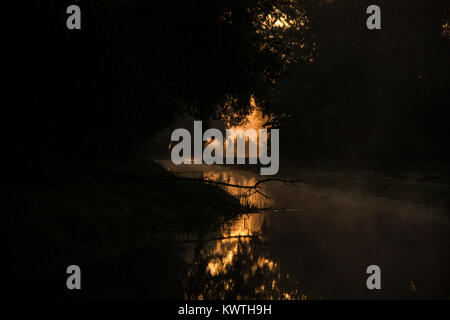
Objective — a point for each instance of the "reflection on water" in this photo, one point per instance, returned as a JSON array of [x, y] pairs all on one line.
[[224, 174], [318, 249], [238, 267]]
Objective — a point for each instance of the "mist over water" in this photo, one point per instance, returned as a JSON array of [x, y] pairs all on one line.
[[317, 243]]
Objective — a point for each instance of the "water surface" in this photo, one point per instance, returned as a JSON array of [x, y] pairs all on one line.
[[314, 244]]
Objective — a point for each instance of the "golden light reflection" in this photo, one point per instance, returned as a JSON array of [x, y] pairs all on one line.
[[235, 262], [247, 197], [228, 175], [445, 30], [226, 249], [235, 267]]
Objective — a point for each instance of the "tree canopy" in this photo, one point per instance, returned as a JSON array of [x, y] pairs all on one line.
[[134, 67]]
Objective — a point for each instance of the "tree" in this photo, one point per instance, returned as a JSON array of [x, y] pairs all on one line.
[[369, 97], [132, 69]]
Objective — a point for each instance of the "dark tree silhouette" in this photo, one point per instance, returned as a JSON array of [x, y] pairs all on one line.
[[135, 66], [370, 98]]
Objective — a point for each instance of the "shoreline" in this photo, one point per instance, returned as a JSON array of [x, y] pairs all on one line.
[[100, 214], [422, 189]]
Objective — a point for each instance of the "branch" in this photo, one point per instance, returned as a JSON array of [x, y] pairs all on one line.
[[256, 185], [215, 239]]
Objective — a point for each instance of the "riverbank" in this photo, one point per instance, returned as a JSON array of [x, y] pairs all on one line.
[[428, 190], [101, 212]]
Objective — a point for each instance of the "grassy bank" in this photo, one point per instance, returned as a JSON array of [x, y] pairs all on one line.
[[428, 190], [419, 186], [98, 212]]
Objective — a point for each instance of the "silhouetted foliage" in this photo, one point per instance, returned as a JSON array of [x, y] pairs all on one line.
[[342, 93], [131, 70], [369, 98]]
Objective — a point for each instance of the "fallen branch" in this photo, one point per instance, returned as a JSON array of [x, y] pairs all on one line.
[[287, 182], [254, 187], [214, 239]]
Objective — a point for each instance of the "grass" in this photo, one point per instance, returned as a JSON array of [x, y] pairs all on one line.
[[425, 190], [420, 186], [108, 209]]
